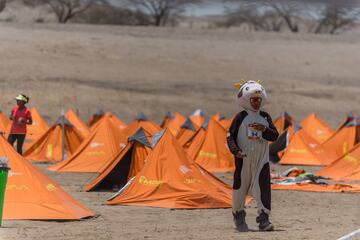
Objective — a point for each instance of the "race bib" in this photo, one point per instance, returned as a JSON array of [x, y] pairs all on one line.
[[252, 133]]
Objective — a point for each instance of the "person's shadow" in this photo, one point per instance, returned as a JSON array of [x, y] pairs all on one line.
[[257, 230]]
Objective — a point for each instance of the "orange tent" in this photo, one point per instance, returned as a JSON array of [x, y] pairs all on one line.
[[31, 195], [316, 128], [173, 121], [171, 179], [225, 123], [349, 118], [305, 150], [96, 150], [4, 123], [36, 129], [211, 150], [355, 176], [187, 132], [95, 118], [77, 123], [198, 117], [48, 147], [115, 120], [192, 147], [118, 123], [283, 122], [124, 165], [343, 167], [342, 141], [141, 121]]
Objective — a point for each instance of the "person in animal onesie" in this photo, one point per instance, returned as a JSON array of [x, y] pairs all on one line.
[[248, 139]]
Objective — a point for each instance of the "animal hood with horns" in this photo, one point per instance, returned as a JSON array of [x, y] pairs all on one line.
[[249, 89]]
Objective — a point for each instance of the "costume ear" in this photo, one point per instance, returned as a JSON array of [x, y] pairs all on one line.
[[239, 84]]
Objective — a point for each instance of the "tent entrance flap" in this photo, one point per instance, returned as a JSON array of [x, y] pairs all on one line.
[[118, 176]]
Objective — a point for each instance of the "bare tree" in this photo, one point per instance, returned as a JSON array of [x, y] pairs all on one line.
[[67, 9], [267, 15], [2, 5], [161, 11], [106, 13], [273, 21], [336, 17], [289, 11], [244, 14], [248, 14], [326, 16]]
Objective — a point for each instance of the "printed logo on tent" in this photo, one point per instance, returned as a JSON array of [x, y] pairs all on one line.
[[191, 181], [350, 158], [50, 187], [313, 145], [202, 153], [12, 174], [17, 187], [319, 132], [96, 144], [294, 150], [184, 169], [174, 132], [95, 153], [49, 150], [149, 182]]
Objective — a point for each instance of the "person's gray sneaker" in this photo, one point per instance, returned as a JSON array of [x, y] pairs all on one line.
[[239, 221], [264, 223]]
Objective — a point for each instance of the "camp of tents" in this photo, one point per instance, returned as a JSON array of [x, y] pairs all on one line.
[[170, 165], [32, 195], [119, 153]]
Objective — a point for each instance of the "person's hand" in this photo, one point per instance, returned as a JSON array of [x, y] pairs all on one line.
[[240, 154], [259, 127]]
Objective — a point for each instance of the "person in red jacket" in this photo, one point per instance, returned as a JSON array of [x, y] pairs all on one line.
[[20, 117]]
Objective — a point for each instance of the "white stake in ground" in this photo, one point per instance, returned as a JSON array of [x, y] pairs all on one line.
[[350, 235]]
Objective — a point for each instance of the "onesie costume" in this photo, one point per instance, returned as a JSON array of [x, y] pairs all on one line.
[[252, 172]]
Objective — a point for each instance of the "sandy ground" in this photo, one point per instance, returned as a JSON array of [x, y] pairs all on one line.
[[128, 70], [296, 215]]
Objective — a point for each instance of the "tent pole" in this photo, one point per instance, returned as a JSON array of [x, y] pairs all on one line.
[[62, 135]]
